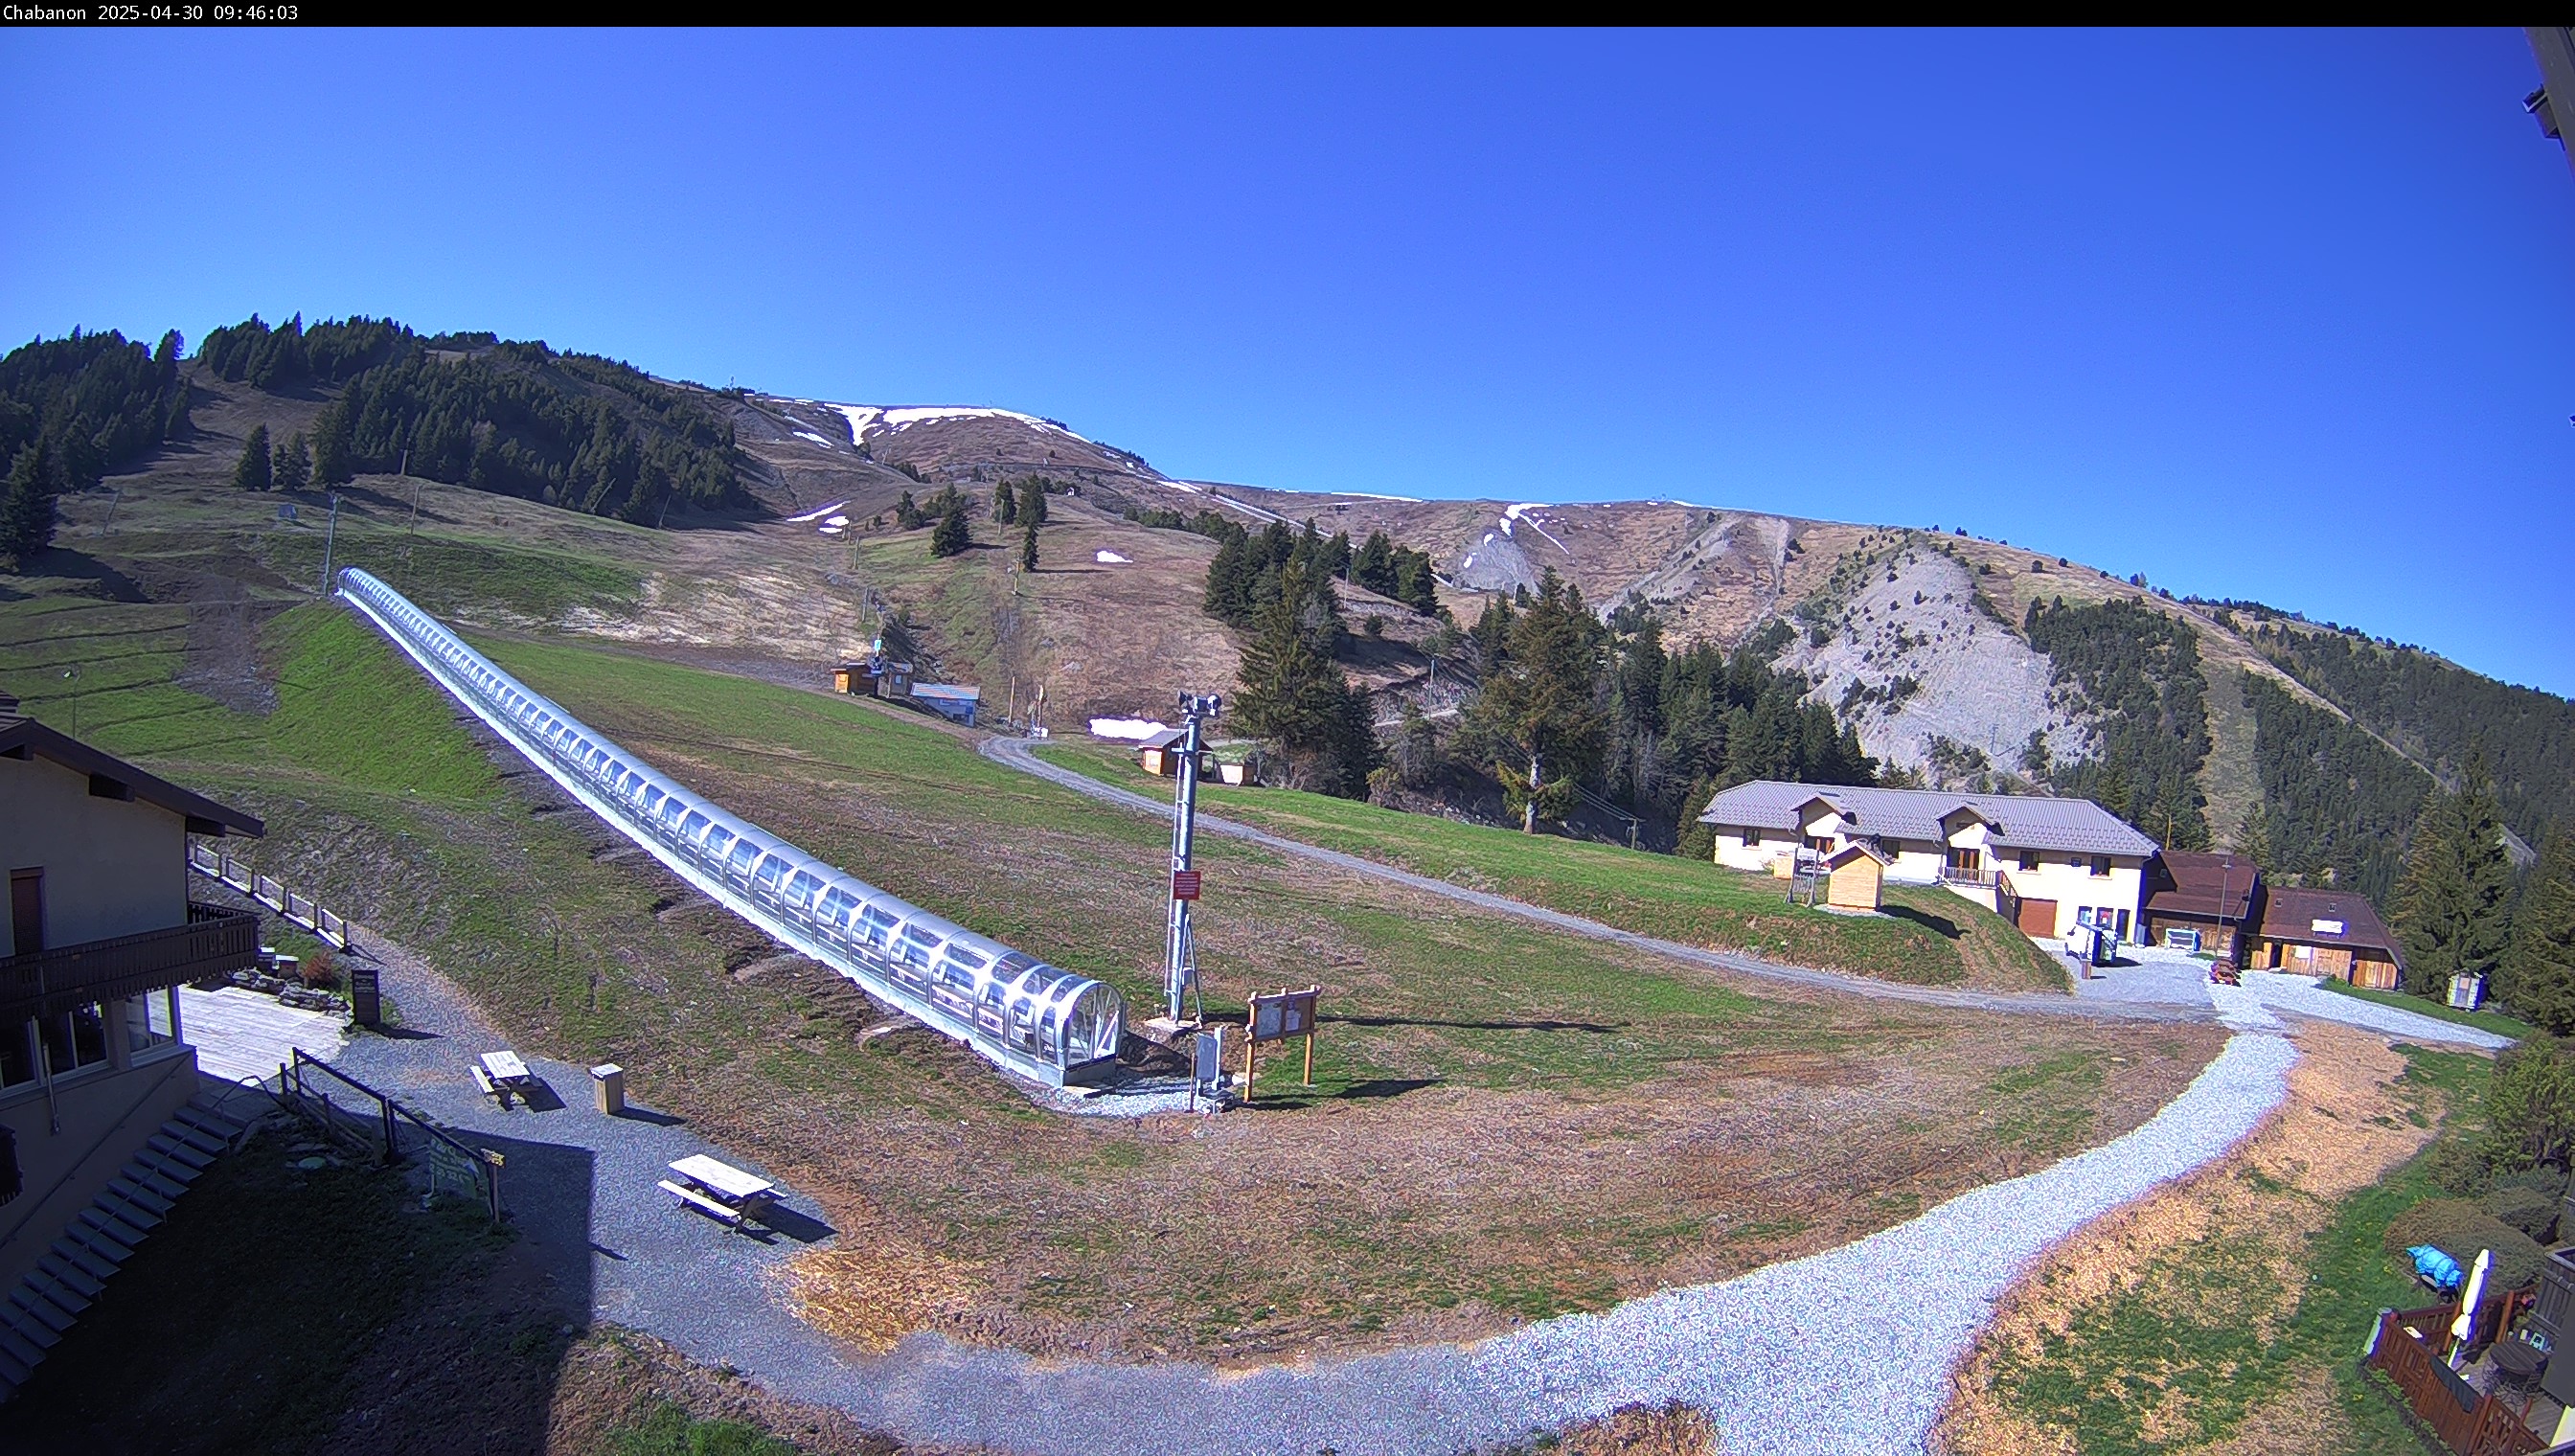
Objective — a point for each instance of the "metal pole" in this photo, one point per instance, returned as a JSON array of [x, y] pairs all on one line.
[[1179, 950], [328, 531]]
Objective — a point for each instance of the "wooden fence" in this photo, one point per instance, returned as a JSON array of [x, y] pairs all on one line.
[[2470, 1424], [299, 909]]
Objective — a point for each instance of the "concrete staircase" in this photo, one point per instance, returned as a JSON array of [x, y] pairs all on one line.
[[35, 1316]]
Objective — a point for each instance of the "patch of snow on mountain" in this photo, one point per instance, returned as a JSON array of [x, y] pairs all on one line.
[[910, 415], [1371, 496], [817, 438], [1109, 557], [817, 513], [837, 521], [861, 417], [1513, 514]]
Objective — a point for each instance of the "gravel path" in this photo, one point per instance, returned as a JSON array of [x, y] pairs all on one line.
[[1845, 1351], [1017, 754], [579, 1185], [2301, 995]]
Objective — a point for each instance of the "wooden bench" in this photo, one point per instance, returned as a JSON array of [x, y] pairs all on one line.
[[491, 1089], [692, 1198]]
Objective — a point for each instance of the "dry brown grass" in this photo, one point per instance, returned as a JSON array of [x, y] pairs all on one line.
[[1645, 1430], [874, 1293], [2342, 1128]]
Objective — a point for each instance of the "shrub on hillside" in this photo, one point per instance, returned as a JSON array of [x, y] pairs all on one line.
[[2527, 1209], [2458, 1167], [2459, 1228], [2547, 1179], [321, 970]]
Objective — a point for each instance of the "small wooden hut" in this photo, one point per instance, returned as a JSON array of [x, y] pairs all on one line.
[[1855, 877]]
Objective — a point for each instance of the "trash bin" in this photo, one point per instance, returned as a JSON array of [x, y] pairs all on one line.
[[608, 1080]]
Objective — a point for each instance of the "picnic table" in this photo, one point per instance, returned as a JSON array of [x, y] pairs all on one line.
[[718, 1189], [500, 1074]]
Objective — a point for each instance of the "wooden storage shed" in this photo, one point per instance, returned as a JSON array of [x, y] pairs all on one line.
[[1855, 877]]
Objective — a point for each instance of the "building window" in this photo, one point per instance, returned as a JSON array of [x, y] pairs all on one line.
[[2102, 866], [2122, 931], [17, 1055], [147, 1020], [1820, 843], [74, 1039], [1751, 838], [2030, 858]]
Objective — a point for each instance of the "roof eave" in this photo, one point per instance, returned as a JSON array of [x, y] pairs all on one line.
[[203, 815]]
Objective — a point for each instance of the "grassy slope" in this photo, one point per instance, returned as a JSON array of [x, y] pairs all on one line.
[[1931, 937], [2207, 1367]]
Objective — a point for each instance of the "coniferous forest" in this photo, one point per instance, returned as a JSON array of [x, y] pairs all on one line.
[[571, 430], [2338, 805], [2140, 668], [2439, 713], [71, 410]]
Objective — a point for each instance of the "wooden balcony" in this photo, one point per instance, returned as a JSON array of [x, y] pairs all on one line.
[[215, 941], [1978, 879]]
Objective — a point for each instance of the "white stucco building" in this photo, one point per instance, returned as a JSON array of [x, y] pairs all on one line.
[[2047, 865]]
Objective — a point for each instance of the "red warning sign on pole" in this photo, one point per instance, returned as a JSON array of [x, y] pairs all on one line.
[[1184, 885]]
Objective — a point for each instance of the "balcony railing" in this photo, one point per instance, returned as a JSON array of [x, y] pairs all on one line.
[[215, 941], [1953, 875]]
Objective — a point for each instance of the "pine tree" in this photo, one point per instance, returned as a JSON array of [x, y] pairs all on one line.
[[254, 470], [331, 445], [950, 537], [1294, 697], [292, 469], [907, 513], [27, 505], [1028, 545], [1032, 500], [1538, 719], [2538, 975], [1005, 506], [2450, 903]]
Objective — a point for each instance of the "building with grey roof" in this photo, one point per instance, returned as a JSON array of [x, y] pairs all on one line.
[[2049, 864]]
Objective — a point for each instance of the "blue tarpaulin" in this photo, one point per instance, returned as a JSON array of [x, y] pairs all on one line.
[[2436, 1267]]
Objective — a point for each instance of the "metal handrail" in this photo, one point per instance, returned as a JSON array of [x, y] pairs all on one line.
[[488, 1161]]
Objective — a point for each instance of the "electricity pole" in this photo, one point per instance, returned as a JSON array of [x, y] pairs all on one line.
[[1180, 949]]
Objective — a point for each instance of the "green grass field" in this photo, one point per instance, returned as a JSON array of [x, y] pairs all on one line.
[[1927, 937]]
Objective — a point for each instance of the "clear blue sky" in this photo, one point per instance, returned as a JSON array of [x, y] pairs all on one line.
[[2285, 316]]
